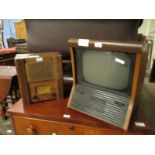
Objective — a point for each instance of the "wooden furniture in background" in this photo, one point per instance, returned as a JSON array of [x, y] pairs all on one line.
[[7, 56], [47, 35], [12, 42], [22, 48], [53, 117], [21, 30], [8, 87]]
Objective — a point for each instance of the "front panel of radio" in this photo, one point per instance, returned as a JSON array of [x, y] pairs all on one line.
[[40, 76]]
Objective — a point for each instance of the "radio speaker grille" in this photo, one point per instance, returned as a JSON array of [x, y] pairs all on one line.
[[40, 71]]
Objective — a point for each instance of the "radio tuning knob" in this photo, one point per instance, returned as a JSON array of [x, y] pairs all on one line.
[[53, 94], [35, 97]]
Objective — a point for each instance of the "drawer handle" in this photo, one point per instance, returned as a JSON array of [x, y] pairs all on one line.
[[31, 130], [71, 127]]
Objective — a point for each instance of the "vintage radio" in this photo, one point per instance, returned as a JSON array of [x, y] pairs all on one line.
[[39, 76]]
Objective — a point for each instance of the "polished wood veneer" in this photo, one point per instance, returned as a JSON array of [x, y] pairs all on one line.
[[47, 118]]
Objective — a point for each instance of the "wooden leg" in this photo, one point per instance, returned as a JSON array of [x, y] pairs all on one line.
[[2, 113], [14, 90], [3, 108]]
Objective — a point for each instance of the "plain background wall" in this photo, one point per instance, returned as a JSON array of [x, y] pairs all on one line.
[[148, 29]]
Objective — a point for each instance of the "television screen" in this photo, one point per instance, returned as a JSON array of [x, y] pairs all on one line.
[[106, 69]]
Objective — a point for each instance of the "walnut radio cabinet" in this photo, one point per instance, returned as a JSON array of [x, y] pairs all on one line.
[[53, 117]]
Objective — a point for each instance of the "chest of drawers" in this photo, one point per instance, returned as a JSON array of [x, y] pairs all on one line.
[[46, 118]]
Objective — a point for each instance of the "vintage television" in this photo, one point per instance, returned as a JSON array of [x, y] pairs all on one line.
[[40, 76], [107, 78]]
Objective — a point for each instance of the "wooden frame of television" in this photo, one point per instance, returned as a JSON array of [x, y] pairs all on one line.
[[141, 51]]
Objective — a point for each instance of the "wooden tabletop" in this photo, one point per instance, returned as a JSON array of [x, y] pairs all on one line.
[[6, 75], [55, 110], [7, 50], [7, 71]]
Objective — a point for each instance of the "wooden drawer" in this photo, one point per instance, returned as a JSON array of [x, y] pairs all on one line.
[[27, 125]]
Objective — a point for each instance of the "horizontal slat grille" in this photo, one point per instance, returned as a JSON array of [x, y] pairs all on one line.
[[99, 104]]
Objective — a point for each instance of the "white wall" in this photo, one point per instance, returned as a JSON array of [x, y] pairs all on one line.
[[148, 29], [152, 33], [144, 29]]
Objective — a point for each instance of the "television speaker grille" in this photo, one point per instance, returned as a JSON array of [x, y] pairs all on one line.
[[103, 105]]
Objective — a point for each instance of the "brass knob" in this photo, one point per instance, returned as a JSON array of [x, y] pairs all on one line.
[[71, 127], [31, 130], [35, 97]]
